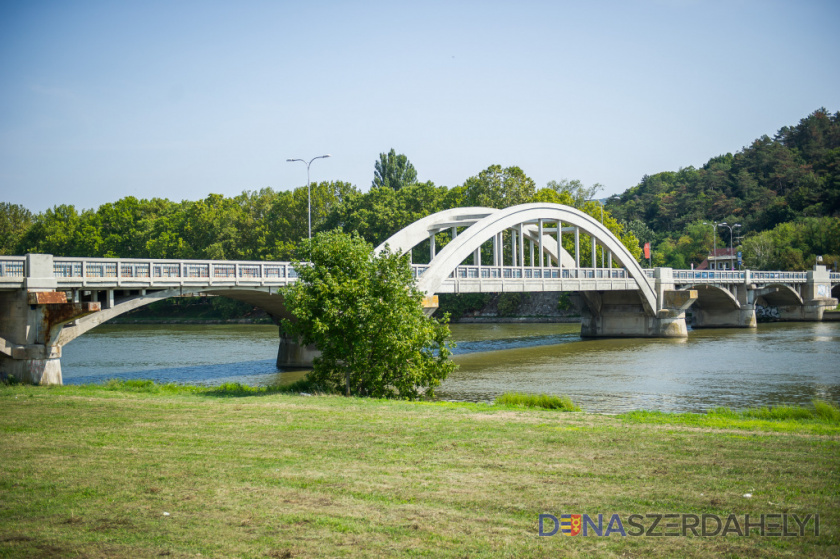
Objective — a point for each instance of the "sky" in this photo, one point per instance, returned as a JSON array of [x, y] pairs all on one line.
[[179, 99]]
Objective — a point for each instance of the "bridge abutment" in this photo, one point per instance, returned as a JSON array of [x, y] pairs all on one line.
[[31, 320]]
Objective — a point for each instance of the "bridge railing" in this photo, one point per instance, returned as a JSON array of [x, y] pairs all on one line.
[[728, 276], [161, 269], [12, 266], [788, 277], [520, 272]]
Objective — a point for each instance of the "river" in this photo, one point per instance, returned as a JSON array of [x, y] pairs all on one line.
[[780, 363]]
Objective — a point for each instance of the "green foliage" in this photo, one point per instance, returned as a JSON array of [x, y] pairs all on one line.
[[564, 302], [823, 411], [545, 401], [393, 171], [495, 187], [794, 246], [508, 303], [827, 411], [457, 305], [576, 190], [14, 221], [363, 312], [790, 178]]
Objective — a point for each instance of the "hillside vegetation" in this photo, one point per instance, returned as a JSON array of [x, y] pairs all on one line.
[[783, 191]]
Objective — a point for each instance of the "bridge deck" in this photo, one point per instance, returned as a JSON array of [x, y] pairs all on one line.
[[130, 273]]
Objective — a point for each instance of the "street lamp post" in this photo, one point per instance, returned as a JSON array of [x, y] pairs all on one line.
[[724, 224], [714, 242], [308, 190]]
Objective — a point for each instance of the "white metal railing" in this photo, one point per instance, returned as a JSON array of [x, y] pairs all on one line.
[[727, 276], [527, 272], [788, 277], [12, 266], [105, 268]]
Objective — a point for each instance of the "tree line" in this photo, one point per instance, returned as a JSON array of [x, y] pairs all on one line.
[[271, 225], [783, 191]]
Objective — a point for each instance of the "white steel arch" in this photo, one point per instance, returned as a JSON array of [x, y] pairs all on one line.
[[484, 229], [405, 239]]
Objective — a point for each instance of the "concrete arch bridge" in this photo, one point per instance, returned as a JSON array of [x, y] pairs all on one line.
[[46, 301]]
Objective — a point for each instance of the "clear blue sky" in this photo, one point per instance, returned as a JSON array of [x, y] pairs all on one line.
[[178, 99]]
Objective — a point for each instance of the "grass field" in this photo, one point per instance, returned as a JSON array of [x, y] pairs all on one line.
[[177, 472]]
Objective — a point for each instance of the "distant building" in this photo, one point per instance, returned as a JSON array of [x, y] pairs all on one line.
[[721, 259]]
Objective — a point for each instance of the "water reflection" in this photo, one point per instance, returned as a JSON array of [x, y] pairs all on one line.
[[775, 364]]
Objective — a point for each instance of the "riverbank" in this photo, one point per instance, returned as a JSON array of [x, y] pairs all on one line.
[[177, 472]]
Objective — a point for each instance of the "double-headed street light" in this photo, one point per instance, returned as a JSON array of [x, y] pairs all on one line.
[[308, 190], [731, 234]]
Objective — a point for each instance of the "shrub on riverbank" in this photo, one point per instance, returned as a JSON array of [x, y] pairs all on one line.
[[544, 401]]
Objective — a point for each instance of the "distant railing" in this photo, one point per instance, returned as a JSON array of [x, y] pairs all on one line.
[[780, 276], [700, 275]]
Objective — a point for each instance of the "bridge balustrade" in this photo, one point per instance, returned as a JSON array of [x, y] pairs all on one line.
[[12, 267], [527, 272], [790, 277], [728, 276], [78, 268]]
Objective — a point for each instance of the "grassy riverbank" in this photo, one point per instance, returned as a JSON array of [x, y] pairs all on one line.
[[92, 472]]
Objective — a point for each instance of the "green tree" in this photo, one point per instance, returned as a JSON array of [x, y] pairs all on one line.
[[576, 190], [363, 312], [15, 220], [393, 171], [495, 187]]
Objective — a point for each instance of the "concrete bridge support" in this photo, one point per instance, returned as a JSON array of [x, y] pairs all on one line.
[[627, 314], [31, 320], [620, 314], [725, 307], [294, 355]]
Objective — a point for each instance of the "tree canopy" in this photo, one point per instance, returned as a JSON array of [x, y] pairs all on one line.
[[393, 171], [364, 313]]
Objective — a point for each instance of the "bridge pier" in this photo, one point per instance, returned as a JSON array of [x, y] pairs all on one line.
[[294, 355], [31, 320], [621, 314]]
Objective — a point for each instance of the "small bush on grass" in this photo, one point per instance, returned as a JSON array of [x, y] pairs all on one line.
[[823, 411], [545, 401], [827, 411]]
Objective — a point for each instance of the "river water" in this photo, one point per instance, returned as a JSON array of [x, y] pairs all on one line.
[[781, 363]]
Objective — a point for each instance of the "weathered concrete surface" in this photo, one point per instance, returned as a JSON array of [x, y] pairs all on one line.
[[294, 355], [29, 348], [622, 314]]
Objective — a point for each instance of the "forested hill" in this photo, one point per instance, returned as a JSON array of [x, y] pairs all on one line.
[[794, 174], [792, 178]]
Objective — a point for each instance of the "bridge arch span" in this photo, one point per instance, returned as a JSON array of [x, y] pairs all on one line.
[[460, 248], [272, 303], [714, 296], [779, 295], [409, 237]]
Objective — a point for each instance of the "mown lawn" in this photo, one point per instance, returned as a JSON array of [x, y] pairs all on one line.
[[92, 472]]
